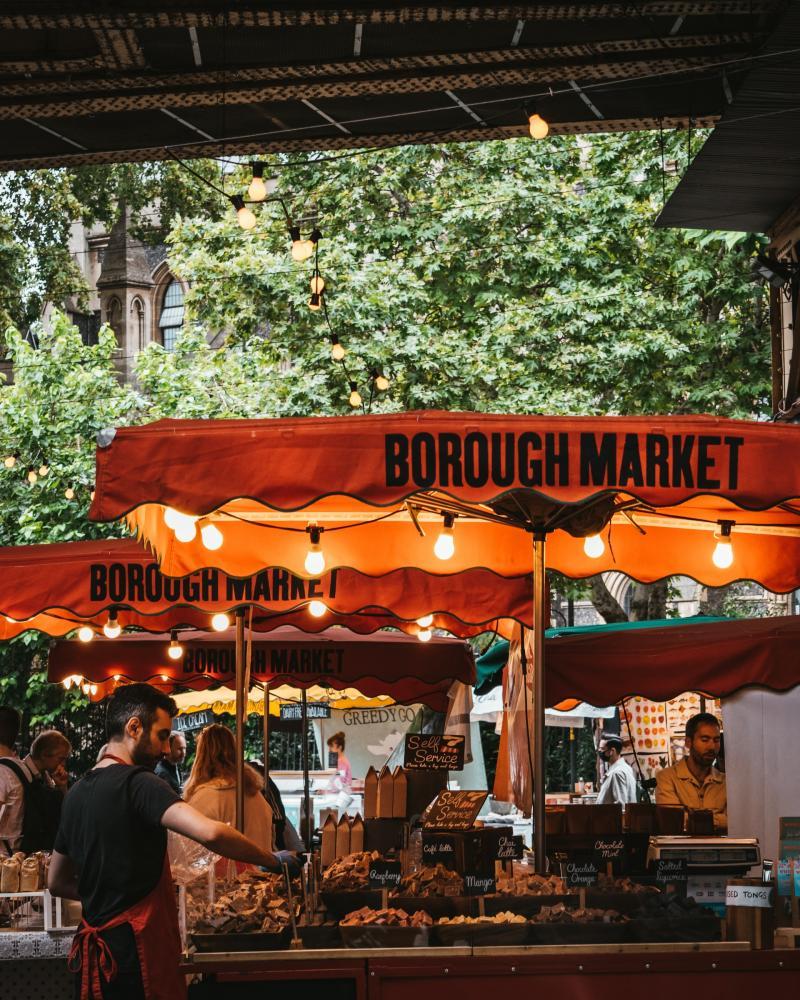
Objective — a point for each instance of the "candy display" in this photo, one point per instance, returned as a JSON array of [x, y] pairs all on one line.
[[529, 884], [255, 902], [504, 917], [559, 913], [432, 881], [386, 918], [350, 873]]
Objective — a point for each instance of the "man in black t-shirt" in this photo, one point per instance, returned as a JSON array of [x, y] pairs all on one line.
[[110, 853]]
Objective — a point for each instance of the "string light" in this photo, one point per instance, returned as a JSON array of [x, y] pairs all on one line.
[[258, 189], [93, 690], [116, 678], [184, 525], [244, 215], [85, 634], [69, 493], [424, 635], [33, 476], [317, 609], [722, 556], [594, 546], [337, 351], [317, 284], [86, 688], [445, 546], [11, 460], [220, 622], [175, 650], [537, 126], [381, 381], [211, 537], [301, 249], [67, 682], [355, 396], [315, 302], [315, 558], [425, 622], [112, 628], [43, 470]]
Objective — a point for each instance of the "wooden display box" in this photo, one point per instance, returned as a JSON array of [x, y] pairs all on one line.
[[385, 835], [473, 850]]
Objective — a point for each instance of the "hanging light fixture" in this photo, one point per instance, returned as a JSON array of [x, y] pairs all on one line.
[[85, 634], [355, 396], [445, 546], [220, 622], [381, 381], [301, 249], [112, 628], [425, 622], [537, 126], [317, 609], [33, 476], [67, 682], [11, 460], [593, 546], [258, 189], [211, 536], [69, 493], [43, 469], [244, 216], [93, 690], [315, 302], [317, 284], [315, 558], [337, 351], [424, 635], [722, 556], [175, 650]]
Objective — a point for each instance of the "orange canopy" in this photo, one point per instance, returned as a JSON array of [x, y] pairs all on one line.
[[55, 588], [655, 489]]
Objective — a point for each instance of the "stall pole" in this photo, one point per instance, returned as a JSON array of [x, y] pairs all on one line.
[[266, 734], [241, 711], [539, 625], [308, 825]]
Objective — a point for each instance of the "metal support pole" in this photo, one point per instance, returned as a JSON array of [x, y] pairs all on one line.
[[241, 715], [573, 760], [309, 819], [266, 733], [539, 625]]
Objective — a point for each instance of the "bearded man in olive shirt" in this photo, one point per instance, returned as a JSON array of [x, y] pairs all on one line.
[[694, 782]]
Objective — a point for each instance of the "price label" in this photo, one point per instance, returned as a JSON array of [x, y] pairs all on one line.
[[580, 874], [757, 896], [476, 884], [438, 850], [509, 848], [671, 870], [609, 849], [434, 752], [385, 874]]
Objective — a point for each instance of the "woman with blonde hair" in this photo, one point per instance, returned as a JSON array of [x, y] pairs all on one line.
[[211, 788]]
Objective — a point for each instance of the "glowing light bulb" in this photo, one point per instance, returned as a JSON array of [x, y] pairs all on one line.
[[69, 493], [355, 396], [33, 476], [174, 518], [315, 302], [175, 650], [186, 530], [93, 689], [445, 546], [537, 126], [337, 351], [424, 635], [317, 609], [116, 678], [10, 461], [164, 678], [112, 628], [315, 558], [258, 189], [67, 682], [86, 688], [244, 216], [317, 285], [594, 546], [722, 557], [211, 536], [301, 249], [220, 622], [85, 634], [425, 622], [381, 383], [43, 470]]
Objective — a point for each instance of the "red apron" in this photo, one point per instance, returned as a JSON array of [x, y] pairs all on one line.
[[154, 921]]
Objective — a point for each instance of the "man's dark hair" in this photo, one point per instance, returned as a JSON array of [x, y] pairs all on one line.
[[612, 740], [139, 700], [701, 719], [10, 720]]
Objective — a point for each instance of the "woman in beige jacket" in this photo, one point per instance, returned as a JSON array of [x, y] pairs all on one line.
[[211, 788]]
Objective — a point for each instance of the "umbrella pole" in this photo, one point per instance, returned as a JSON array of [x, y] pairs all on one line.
[[308, 825], [539, 763], [266, 734], [241, 708]]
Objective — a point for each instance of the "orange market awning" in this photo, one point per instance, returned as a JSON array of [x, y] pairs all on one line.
[[223, 700], [655, 489]]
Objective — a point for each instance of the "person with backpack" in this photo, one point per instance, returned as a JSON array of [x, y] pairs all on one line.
[[32, 792]]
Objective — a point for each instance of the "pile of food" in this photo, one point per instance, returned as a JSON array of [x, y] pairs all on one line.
[[367, 917], [560, 914], [438, 881], [498, 918], [21, 873], [255, 903], [522, 883], [350, 873], [611, 883]]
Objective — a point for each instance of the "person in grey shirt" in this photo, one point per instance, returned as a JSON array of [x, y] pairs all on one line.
[[619, 783], [169, 768]]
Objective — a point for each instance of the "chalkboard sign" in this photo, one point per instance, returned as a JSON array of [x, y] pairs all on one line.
[[607, 850], [314, 710], [434, 752], [479, 884], [453, 810], [438, 849], [671, 870], [384, 874], [509, 848], [580, 874], [195, 720]]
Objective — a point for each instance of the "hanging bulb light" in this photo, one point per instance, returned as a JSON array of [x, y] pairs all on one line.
[[424, 635], [11, 460], [722, 557], [175, 650], [85, 634], [164, 678], [537, 126], [317, 609], [112, 628], [337, 351], [425, 622], [315, 302], [301, 249], [445, 545], [258, 189], [116, 678], [33, 476], [67, 682], [381, 382], [220, 622], [44, 469], [211, 537], [86, 688], [594, 546], [315, 558], [69, 493], [317, 284], [244, 216], [355, 395], [93, 690]]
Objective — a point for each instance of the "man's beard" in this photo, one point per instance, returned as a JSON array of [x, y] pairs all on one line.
[[142, 756]]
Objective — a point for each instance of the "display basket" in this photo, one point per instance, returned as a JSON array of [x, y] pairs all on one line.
[[253, 941], [437, 906], [483, 934], [382, 936], [339, 904], [527, 906]]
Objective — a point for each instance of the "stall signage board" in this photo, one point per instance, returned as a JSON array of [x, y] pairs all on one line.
[[434, 752], [670, 871], [314, 710], [479, 884], [757, 896], [580, 874], [438, 849], [195, 720], [607, 850], [453, 810], [509, 848], [385, 874]]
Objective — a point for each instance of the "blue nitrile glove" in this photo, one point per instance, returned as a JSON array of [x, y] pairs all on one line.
[[291, 860]]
